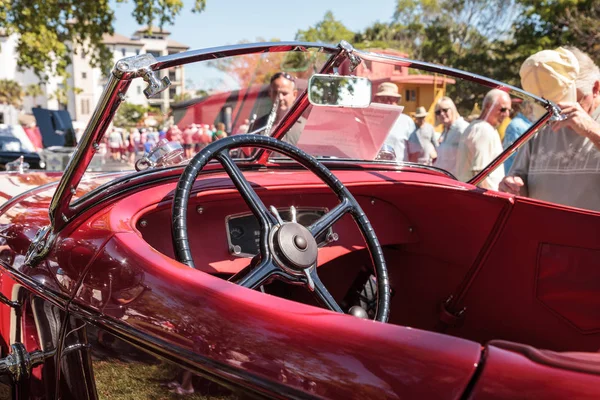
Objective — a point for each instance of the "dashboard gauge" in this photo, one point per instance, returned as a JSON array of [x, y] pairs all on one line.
[[243, 230]]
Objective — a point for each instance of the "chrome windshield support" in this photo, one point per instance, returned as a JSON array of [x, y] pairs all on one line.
[[349, 50], [112, 96]]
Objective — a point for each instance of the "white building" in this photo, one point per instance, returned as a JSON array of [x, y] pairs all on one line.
[[9, 70], [86, 83]]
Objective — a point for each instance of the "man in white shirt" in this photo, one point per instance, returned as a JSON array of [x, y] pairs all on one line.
[[481, 144]]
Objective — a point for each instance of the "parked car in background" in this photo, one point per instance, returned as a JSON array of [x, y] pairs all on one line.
[[11, 148], [311, 268]]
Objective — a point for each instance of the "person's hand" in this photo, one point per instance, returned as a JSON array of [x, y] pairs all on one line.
[[511, 184], [578, 120]]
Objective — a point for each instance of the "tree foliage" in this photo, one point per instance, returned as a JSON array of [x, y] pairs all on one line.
[[329, 30], [49, 29], [33, 91], [545, 24], [130, 115], [11, 92]]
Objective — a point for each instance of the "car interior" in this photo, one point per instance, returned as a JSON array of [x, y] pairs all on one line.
[[500, 258]]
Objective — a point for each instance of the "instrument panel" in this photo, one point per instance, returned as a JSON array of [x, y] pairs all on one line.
[[243, 230]]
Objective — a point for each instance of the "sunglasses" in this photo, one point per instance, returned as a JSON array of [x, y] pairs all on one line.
[[442, 110], [285, 75], [505, 109]]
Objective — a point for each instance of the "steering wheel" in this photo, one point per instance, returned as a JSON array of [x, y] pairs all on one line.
[[288, 250]]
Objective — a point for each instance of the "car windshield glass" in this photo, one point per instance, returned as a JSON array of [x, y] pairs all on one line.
[[415, 116]]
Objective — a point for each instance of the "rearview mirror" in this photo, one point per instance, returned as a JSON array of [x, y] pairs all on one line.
[[339, 91]]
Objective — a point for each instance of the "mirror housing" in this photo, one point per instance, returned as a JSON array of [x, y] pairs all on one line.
[[339, 91]]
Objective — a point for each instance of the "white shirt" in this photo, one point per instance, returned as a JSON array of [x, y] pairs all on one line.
[[480, 145], [448, 149], [399, 134]]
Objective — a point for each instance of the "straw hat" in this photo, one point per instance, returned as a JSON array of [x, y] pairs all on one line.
[[551, 74], [421, 112], [388, 89]]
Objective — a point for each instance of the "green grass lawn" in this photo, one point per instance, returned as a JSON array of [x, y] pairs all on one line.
[[134, 380]]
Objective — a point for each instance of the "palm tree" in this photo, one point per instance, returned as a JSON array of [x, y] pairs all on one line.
[[11, 92], [33, 91]]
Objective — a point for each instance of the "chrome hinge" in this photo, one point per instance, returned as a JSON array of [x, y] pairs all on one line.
[[40, 246], [19, 363], [352, 57]]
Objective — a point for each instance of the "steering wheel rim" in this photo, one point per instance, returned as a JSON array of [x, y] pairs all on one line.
[[275, 244]]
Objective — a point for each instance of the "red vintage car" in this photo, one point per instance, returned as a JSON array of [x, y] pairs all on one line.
[[318, 263]]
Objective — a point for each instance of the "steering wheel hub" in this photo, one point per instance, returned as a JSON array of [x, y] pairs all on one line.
[[295, 245]]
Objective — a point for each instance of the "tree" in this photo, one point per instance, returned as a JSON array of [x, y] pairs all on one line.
[[33, 91], [130, 115], [48, 29], [549, 24], [11, 92], [329, 30]]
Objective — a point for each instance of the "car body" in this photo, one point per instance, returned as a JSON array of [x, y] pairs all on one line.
[[99, 297]]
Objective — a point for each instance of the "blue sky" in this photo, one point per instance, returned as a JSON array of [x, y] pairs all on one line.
[[230, 21]]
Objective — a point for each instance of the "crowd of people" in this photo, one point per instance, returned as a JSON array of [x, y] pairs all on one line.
[[553, 166], [125, 145]]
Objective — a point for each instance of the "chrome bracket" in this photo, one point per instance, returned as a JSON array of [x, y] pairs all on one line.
[[349, 50], [556, 113], [19, 363], [40, 246], [141, 66]]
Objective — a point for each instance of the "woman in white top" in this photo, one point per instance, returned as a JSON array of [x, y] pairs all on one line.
[[454, 126]]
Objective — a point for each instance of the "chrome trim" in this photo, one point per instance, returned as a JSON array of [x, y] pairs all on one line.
[[349, 50], [111, 98], [491, 83], [212, 53], [19, 363]]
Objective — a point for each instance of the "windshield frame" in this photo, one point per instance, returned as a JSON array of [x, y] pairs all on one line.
[[145, 65], [62, 208]]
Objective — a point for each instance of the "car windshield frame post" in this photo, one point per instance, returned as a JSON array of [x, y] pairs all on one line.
[[344, 52], [112, 96], [498, 161]]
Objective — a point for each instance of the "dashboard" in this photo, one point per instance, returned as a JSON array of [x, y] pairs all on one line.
[[243, 230]]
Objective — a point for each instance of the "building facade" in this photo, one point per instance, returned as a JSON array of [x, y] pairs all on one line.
[[86, 83]]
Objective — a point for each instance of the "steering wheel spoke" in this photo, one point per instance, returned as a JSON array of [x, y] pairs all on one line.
[[254, 276], [326, 221], [320, 291], [256, 205]]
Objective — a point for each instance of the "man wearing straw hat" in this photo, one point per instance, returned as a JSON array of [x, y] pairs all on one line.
[[561, 163], [421, 143], [387, 93]]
